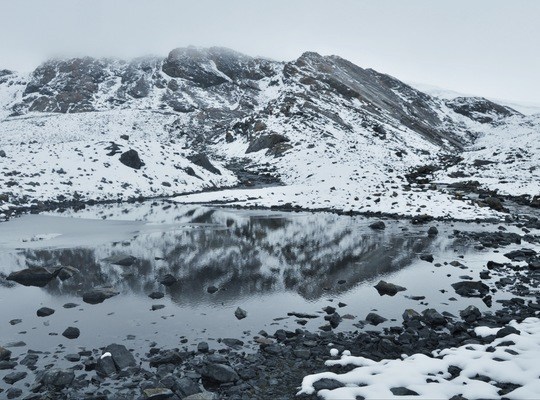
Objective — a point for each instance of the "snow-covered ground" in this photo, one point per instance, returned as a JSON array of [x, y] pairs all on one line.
[[516, 362], [506, 158], [69, 155]]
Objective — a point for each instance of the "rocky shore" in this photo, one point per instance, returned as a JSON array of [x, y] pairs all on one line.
[[273, 364]]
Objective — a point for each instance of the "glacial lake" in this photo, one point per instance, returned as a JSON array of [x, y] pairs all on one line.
[[268, 263]]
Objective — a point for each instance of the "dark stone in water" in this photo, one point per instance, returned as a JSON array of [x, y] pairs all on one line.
[[71, 333], [471, 289], [38, 276], [375, 319], [44, 312], [14, 377], [156, 295], [4, 354], [98, 295], [240, 314], [388, 288]]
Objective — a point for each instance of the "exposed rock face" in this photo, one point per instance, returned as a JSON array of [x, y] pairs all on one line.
[[480, 109]]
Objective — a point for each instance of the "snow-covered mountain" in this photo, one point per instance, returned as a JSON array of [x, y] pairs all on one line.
[[327, 133]]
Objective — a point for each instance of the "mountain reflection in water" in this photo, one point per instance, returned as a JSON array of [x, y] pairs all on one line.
[[242, 254]]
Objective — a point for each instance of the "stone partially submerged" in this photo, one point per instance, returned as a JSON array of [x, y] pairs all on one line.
[[38, 276]]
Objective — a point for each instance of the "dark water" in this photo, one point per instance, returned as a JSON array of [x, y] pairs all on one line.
[[267, 263]]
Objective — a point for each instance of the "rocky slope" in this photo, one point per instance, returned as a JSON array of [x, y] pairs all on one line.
[[332, 134]]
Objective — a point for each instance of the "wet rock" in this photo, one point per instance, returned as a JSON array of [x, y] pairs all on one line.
[[15, 321], [186, 387], [470, 314], [240, 314], [334, 320], [158, 393], [5, 364], [156, 307], [168, 280], [167, 357], [379, 225], [14, 377], [219, 373], [70, 305], [433, 231], [71, 333], [121, 356], [73, 357], [471, 288], [375, 319], [410, 314], [44, 312], [99, 295], [433, 318], [156, 295], [38, 276], [55, 378], [5, 354], [105, 365], [390, 289], [212, 289], [131, 159], [203, 347]]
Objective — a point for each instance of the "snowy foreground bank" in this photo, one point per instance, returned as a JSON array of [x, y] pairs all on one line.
[[512, 359]]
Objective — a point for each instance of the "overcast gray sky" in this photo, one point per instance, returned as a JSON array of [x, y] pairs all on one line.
[[485, 47]]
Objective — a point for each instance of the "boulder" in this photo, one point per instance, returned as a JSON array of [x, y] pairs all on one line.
[[55, 378], [131, 159], [471, 288], [240, 314], [5, 354], [470, 314], [379, 225], [44, 312], [121, 356], [433, 318], [219, 373], [388, 288], [38, 276], [71, 333], [375, 319], [98, 295]]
